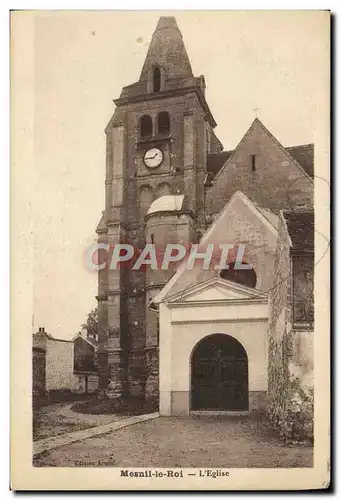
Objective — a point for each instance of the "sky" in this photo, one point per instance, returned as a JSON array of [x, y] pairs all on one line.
[[274, 61]]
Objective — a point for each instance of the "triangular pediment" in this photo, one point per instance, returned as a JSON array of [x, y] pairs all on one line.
[[275, 169], [262, 135], [217, 290]]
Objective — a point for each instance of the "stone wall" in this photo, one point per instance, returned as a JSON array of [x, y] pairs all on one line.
[[165, 228], [59, 365], [130, 189], [290, 403], [38, 374]]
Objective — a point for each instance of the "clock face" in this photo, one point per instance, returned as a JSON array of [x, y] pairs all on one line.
[[153, 157]]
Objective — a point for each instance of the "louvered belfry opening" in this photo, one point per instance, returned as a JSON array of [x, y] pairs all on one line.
[[156, 79], [146, 127], [163, 123]]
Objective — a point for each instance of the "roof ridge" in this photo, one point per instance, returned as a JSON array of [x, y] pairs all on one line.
[[300, 145], [221, 152], [297, 210]]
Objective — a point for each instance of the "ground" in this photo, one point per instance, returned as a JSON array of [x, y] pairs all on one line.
[[57, 419], [217, 441]]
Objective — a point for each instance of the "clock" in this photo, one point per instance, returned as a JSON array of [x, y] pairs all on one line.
[[153, 157]]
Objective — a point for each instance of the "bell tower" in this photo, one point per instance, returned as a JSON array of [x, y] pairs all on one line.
[[156, 146]]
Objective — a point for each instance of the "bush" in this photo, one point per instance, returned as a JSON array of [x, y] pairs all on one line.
[[63, 395], [130, 406], [293, 415]]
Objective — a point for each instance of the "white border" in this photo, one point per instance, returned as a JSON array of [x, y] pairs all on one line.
[[4, 171]]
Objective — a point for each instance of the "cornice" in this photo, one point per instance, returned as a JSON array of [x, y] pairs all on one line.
[[121, 101], [217, 302]]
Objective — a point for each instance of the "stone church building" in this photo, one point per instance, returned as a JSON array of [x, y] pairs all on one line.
[[196, 339]]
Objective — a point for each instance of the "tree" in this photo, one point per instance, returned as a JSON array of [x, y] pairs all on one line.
[[91, 324], [86, 360]]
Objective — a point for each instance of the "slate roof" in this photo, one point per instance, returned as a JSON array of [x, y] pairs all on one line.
[[300, 226], [168, 50], [215, 161], [303, 154], [84, 336]]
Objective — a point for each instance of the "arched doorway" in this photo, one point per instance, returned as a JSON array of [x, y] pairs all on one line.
[[219, 374]]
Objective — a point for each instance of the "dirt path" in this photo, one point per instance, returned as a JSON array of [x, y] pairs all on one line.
[[183, 442], [57, 419]]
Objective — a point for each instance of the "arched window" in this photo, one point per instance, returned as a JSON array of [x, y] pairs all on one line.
[[163, 189], [156, 79], [245, 277], [163, 123], [145, 126]]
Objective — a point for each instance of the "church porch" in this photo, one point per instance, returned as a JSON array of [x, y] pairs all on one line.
[[213, 350]]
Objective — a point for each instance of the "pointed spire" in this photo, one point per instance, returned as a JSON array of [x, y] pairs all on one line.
[[167, 50], [166, 22]]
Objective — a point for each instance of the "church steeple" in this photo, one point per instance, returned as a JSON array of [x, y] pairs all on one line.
[[156, 147], [167, 51]]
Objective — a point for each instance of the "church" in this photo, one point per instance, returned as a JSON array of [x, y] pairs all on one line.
[[201, 339]]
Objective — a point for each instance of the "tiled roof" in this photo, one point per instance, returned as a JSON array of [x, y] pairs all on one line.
[[215, 161], [303, 154], [300, 225]]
